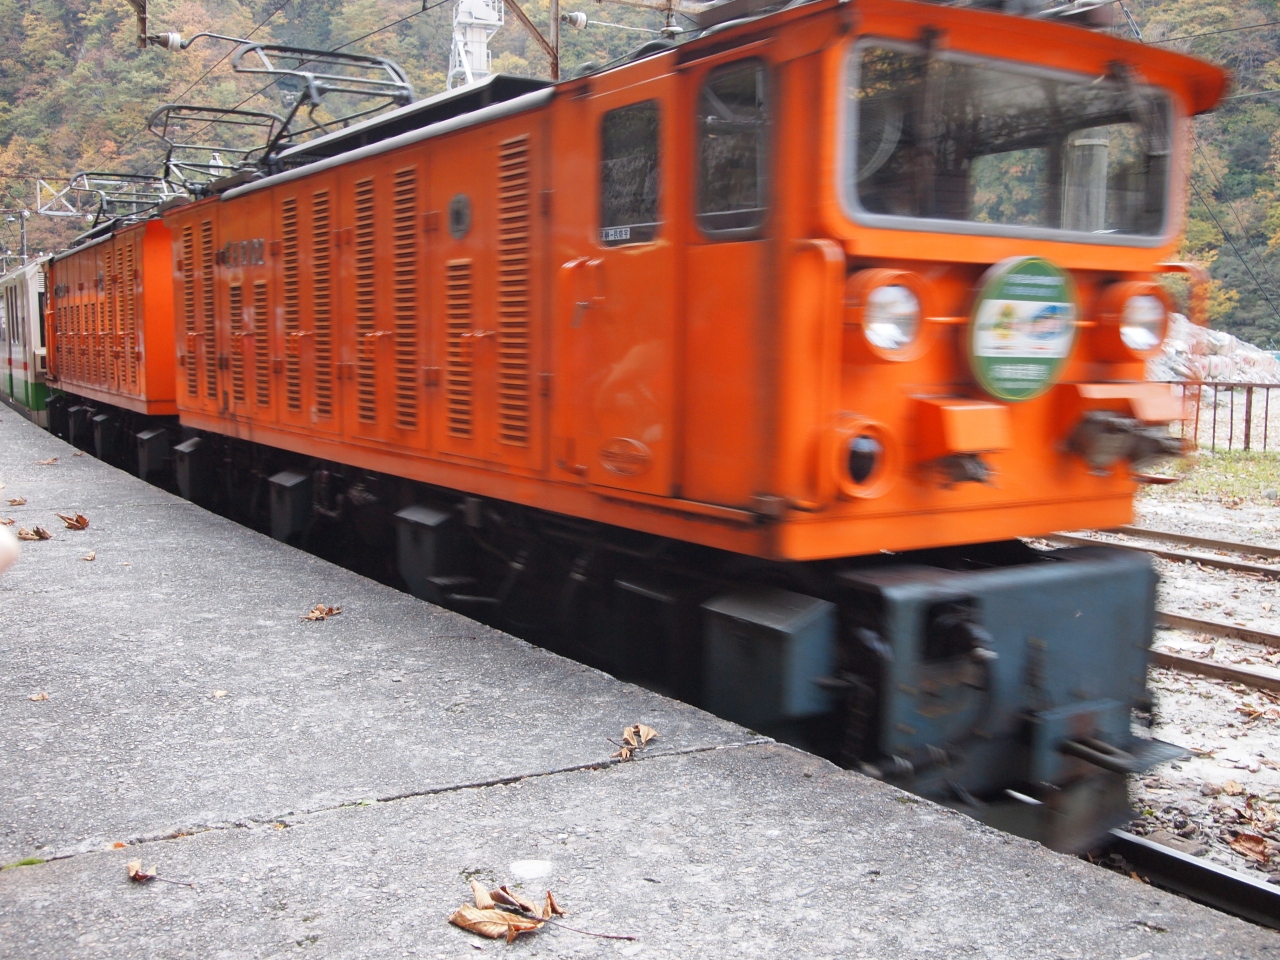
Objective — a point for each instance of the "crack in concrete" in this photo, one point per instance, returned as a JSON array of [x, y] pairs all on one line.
[[252, 822]]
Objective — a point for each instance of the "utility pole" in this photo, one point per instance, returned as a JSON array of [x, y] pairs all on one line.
[[140, 8]]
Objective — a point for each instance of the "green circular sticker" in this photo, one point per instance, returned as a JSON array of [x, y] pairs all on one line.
[[1022, 329]]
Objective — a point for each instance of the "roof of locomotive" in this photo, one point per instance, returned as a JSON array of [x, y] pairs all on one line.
[[528, 101], [496, 88], [501, 95]]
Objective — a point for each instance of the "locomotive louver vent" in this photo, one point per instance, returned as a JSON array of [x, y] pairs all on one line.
[[97, 371], [292, 360], [261, 347], [113, 321], [405, 296], [109, 309], [458, 347], [366, 319], [189, 307], [80, 349], [206, 310], [130, 318], [237, 343], [321, 301], [513, 291]]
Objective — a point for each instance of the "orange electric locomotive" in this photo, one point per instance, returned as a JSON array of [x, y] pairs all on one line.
[[740, 366]]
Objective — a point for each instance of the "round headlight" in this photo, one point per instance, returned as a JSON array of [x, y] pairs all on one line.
[[1142, 323], [892, 317]]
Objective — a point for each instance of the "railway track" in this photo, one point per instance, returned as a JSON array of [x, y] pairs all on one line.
[[1193, 877], [1156, 539]]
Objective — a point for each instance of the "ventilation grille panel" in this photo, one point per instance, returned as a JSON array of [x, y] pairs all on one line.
[[189, 306], [513, 292], [405, 296], [206, 310], [322, 300], [366, 306], [458, 400], [130, 317], [261, 347], [292, 361], [237, 343]]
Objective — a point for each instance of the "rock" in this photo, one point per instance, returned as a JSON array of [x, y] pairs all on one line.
[[1208, 789], [1272, 494]]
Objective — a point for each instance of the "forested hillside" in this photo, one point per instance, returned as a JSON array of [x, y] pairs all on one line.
[[75, 92]]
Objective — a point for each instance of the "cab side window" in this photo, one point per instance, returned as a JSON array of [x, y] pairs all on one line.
[[733, 141], [629, 174]]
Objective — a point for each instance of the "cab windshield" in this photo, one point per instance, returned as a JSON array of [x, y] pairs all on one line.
[[1002, 149]]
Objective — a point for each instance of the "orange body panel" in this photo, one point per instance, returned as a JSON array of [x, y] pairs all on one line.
[[110, 320], [444, 309]]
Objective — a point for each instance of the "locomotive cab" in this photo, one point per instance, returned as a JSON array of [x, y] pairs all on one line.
[[886, 275]]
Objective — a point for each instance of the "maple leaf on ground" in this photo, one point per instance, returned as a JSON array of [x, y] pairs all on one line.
[[46, 463], [35, 533], [39, 696], [17, 501], [91, 555], [75, 522], [8, 521], [1233, 788], [321, 612]]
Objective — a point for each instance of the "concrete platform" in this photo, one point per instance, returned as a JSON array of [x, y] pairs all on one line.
[[355, 772]]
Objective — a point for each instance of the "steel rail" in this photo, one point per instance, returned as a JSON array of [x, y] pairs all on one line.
[[1248, 549], [1221, 563], [1216, 671], [1223, 889], [1224, 630]]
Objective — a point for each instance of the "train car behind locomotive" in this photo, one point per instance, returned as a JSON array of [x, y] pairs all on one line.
[[23, 348], [742, 366], [110, 323]]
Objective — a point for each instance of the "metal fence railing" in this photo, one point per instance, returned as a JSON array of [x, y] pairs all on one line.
[[1231, 416]]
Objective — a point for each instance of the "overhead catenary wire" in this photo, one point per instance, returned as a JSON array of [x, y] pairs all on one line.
[[191, 86], [1227, 237], [263, 89], [1214, 33]]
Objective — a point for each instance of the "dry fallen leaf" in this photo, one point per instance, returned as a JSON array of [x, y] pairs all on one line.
[[483, 900], [77, 522], [17, 501], [322, 612], [39, 696], [138, 875], [35, 533], [517, 901], [8, 521], [218, 694], [78, 453], [1233, 788], [1252, 846], [46, 463], [633, 738], [493, 923], [91, 555]]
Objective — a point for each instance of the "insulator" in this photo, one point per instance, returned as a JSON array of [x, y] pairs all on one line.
[[577, 19]]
